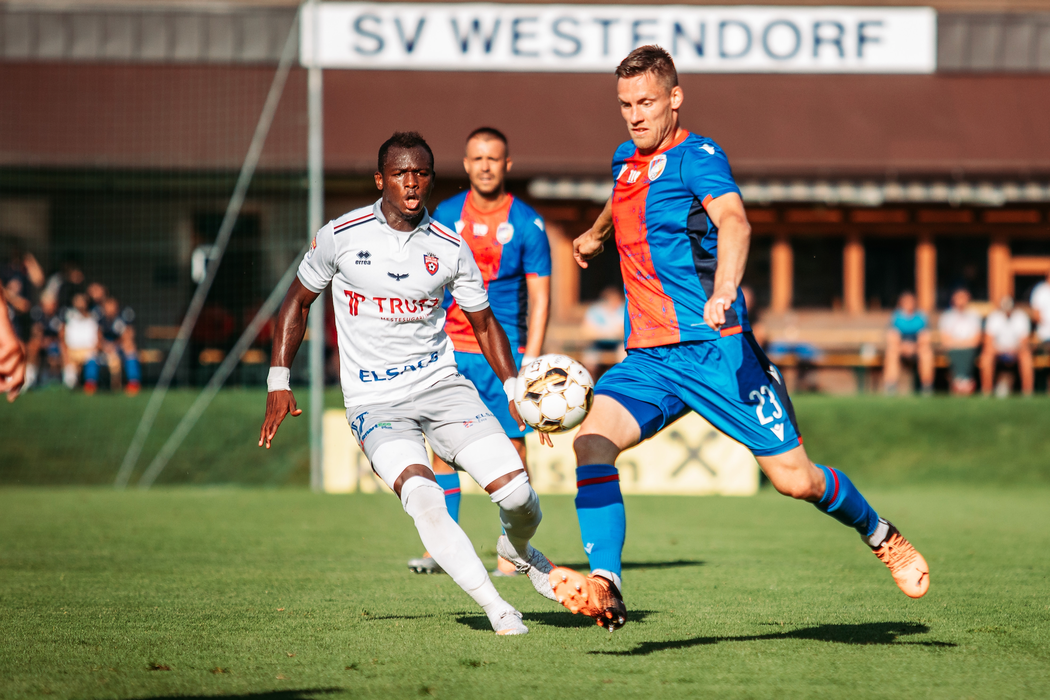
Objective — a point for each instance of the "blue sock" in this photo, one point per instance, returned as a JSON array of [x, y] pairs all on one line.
[[91, 372], [842, 501], [450, 484], [131, 368], [603, 523]]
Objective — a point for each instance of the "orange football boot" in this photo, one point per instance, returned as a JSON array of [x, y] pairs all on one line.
[[909, 569], [504, 567], [593, 596]]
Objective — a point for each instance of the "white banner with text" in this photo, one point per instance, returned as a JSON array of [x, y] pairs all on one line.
[[688, 458], [595, 38]]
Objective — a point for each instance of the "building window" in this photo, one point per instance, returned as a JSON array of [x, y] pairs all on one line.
[[601, 272], [889, 269], [961, 262], [757, 273], [1024, 284], [818, 271]]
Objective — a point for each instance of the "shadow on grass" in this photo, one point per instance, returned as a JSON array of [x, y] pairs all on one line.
[[563, 619], [881, 633], [675, 564], [304, 694]]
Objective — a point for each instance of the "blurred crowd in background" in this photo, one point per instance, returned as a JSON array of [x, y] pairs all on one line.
[[74, 331], [78, 335], [993, 351]]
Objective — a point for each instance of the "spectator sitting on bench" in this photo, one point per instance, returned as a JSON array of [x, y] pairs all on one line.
[[603, 326], [908, 337], [80, 339], [960, 328], [45, 344], [1040, 303], [1006, 344], [118, 345]]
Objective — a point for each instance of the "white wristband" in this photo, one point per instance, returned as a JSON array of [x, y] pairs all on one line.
[[279, 379], [527, 360], [508, 387]]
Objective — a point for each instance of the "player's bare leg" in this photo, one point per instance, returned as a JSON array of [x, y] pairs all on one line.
[[793, 474], [608, 430]]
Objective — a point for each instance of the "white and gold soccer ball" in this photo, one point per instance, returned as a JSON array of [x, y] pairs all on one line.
[[554, 393]]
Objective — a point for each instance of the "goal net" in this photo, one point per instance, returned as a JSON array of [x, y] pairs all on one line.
[[123, 139]]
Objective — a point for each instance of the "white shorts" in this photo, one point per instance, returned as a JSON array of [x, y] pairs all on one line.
[[451, 415]]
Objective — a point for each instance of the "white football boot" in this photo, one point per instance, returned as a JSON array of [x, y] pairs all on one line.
[[535, 565], [508, 623]]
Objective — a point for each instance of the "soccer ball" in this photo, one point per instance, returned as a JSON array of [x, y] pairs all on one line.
[[553, 393]]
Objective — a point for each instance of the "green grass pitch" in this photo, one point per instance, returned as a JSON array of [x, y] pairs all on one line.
[[280, 594], [283, 594]]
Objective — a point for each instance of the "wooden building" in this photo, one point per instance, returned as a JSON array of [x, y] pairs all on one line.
[[858, 186]]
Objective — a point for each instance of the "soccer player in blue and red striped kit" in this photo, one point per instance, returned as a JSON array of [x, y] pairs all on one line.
[[682, 235]]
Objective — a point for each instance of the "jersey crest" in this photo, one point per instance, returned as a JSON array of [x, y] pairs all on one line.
[[656, 166], [430, 262], [505, 232]]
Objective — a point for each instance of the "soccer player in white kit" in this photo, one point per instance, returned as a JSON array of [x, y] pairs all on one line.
[[389, 264]]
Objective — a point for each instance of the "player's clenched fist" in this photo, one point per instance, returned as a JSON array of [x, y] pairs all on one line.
[[715, 308], [587, 246], [278, 405]]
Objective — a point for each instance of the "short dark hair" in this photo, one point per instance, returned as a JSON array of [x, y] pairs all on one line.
[[488, 132], [649, 59], [406, 140]]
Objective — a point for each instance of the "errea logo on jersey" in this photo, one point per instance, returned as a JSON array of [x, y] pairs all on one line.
[[708, 147]]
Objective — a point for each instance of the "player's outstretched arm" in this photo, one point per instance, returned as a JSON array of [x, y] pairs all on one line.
[[734, 240], [592, 241], [288, 336], [12, 355], [496, 348]]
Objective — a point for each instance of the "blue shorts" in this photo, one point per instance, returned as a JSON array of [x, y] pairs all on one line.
[[477, 369], [728, 381]]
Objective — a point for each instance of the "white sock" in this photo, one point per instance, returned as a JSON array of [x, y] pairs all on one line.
[[31, 373], [450, 547], [519, 513], [609, 575], [879, 536], [69, 376]]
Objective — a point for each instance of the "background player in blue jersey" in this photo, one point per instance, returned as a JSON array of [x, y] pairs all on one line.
[[683, 238], [509, 242]]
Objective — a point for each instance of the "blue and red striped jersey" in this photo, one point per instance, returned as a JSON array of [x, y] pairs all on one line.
[[509, 244], [668, 245]]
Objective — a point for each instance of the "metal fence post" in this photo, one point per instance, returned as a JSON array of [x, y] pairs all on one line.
[[315, 154]]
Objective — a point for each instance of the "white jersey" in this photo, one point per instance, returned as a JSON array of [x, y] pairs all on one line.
[[388, 286], [81, 331], [1007, 332], [1041, 303]]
